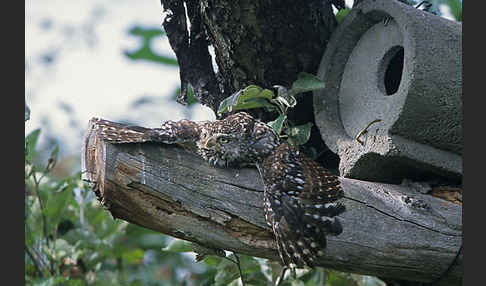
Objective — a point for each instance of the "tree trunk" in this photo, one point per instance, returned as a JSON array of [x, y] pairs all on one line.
[[259, 42], [255, 42], [390, 231]]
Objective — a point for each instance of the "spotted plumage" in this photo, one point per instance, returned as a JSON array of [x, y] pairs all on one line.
[[301, 198], [301, 204]]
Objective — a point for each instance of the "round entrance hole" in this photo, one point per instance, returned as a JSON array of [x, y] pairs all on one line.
[[390, 70]]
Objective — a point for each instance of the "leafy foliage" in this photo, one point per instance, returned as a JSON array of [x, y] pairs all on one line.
[[251, 97], [70, 239], [254, 96]]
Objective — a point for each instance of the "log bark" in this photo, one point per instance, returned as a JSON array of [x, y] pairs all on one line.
[[390, 231]]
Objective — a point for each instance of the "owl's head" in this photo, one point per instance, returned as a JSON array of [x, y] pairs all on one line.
[[237, 140]]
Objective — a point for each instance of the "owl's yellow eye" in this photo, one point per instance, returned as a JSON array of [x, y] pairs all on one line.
[[223, 140]]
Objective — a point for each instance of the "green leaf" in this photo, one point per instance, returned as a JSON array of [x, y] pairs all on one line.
[[51, 281], [146, 32], [277, 124], [250, 97], [212, 261], [56, 203], [311, 277], [178, 245], [62, 248], [341, 14], [255, 103], [340, 278], [300, 134], [227, 272], [30, 143], [54, 154], [133, 256], [145, 52], [252, 271], [190, 98], [306, 82], [292, 282], [456, 9]]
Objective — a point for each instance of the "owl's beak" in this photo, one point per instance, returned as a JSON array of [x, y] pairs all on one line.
[[210, 142]]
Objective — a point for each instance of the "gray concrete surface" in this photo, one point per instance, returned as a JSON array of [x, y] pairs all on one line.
[[408, 74]]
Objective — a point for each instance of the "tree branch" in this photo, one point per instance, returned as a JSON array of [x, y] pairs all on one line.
[[389, 230]]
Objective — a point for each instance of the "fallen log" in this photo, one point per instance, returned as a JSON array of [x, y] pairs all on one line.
[[389, 231]]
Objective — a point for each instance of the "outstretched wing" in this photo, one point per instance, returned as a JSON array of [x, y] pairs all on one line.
[[170, 132], [114, 132], [301, 204]]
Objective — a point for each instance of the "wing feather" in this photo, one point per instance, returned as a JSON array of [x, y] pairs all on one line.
[[302, 199]]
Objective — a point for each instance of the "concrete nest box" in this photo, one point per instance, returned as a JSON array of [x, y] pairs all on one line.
[[403, 66]]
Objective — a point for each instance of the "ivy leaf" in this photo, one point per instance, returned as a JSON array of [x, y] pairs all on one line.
[[178, 245], [306, 82], [277, 124], [250, 97], [300, 134]]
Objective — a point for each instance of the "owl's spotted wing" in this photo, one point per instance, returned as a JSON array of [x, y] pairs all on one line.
[[300, 204], [170, 132]]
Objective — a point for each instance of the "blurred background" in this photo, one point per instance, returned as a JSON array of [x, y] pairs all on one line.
[[111, 59], [98, 58]]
